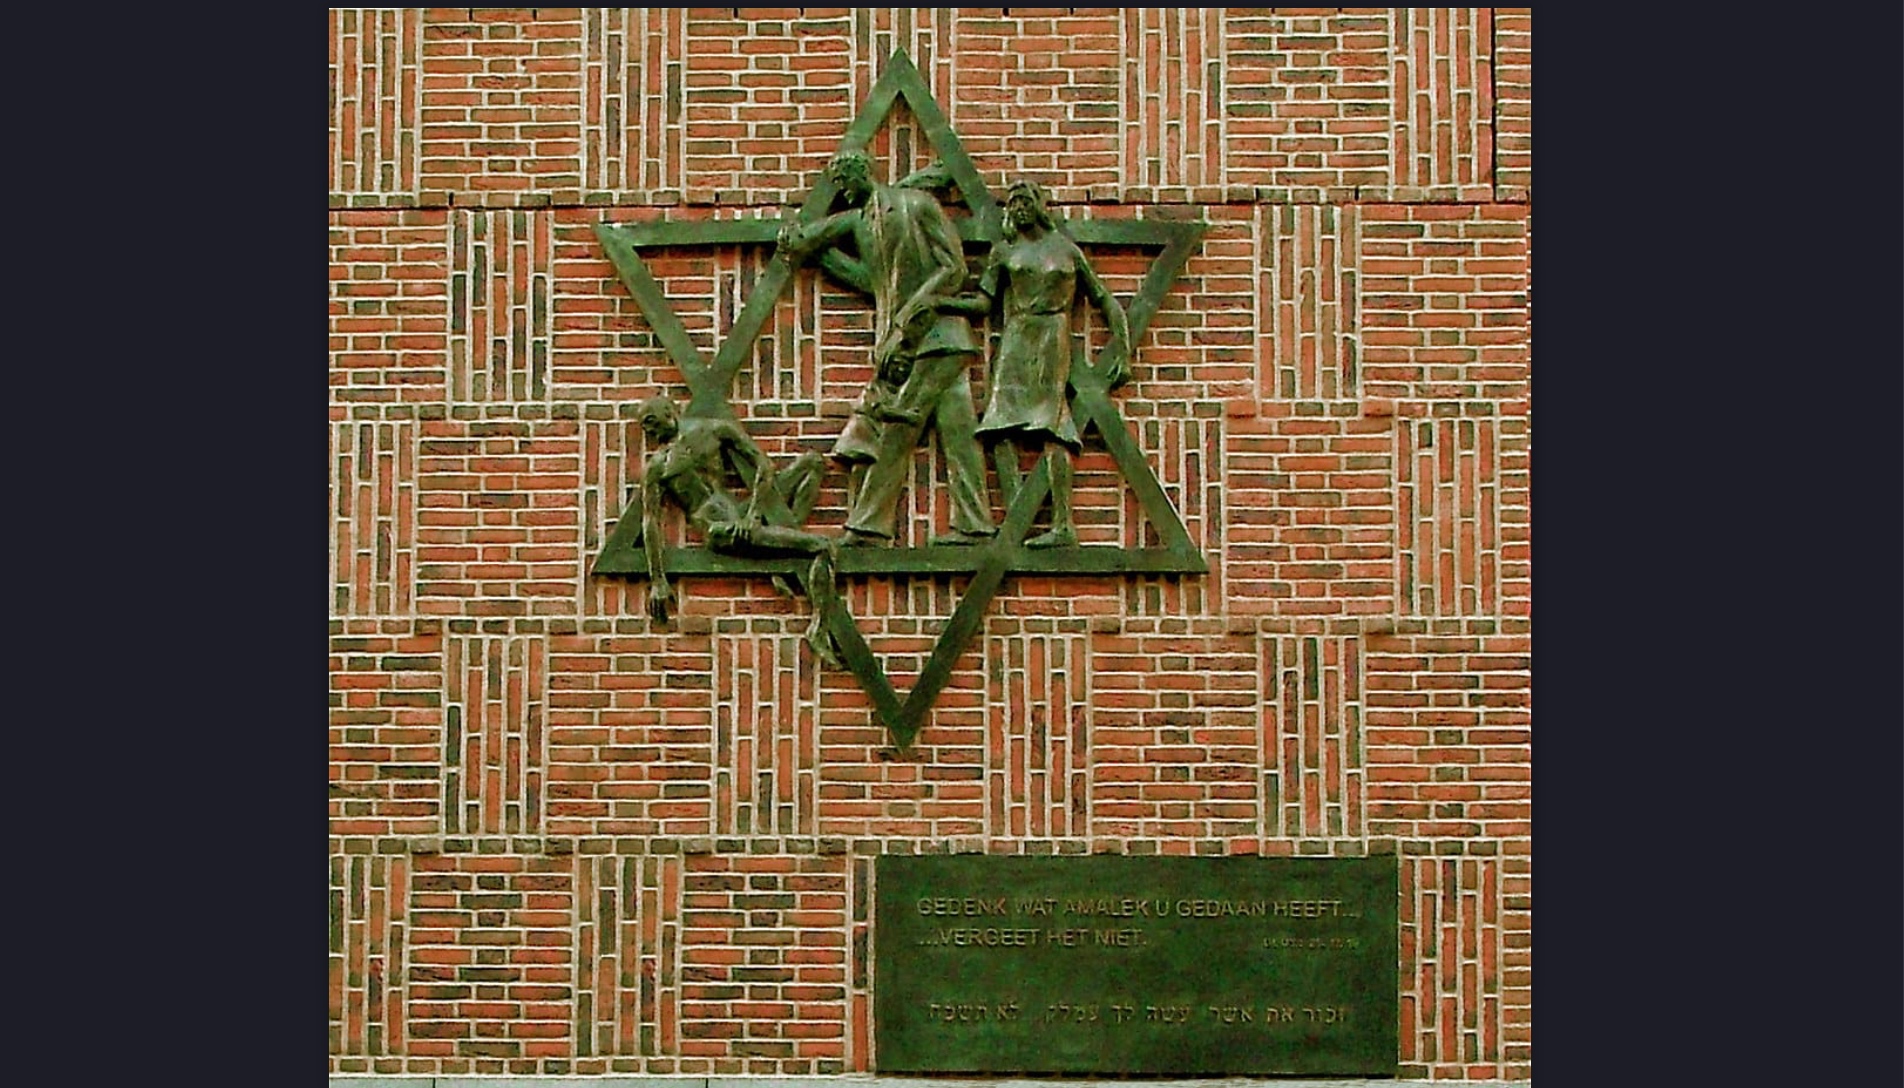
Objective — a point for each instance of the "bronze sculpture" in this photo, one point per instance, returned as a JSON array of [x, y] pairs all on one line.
[[912, 263], [1037, 271], [688, 466], [1170, 239]]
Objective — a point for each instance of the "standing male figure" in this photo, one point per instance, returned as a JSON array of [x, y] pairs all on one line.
[[912, 263]]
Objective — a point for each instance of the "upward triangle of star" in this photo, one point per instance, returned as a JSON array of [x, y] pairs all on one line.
[[710, 382]]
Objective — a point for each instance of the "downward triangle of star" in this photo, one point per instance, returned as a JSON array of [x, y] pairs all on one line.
[[710, 380]]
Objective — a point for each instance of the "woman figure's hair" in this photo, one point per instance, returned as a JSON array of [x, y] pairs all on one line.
[[1039, 203]]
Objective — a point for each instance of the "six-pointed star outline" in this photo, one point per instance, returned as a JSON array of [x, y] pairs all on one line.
[[710, 381]]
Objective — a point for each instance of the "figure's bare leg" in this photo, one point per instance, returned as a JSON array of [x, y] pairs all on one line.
[[1063, 533], [821, 594], [799, 485], [1059, 459], [779, 538], [1005, 460]]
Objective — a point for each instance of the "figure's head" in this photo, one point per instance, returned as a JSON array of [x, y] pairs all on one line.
[[1025, 205], [852, 171], [659, 421]]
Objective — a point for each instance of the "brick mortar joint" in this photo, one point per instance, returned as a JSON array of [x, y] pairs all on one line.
[[778, 201], [867, 1080], [744, 848]]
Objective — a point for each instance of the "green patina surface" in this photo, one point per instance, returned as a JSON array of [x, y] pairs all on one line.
[[710, 380], [1135, 965]]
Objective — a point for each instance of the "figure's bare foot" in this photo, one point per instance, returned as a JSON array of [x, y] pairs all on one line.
[[853, 538], [1056, 538], [820, 641], [961, 538]]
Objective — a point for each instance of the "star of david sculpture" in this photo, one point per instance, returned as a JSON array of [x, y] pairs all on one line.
[[907, 255]]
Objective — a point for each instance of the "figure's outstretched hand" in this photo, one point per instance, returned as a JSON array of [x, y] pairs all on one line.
[[791, 242], [660, 597]]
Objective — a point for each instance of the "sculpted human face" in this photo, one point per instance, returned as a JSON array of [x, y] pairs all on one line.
[[1022, 206], [659, 426], [852, 176]]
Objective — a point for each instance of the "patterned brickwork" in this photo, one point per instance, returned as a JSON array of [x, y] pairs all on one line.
[[1188, 455], [497, 515], [764, 101], [1198, 353], [1319, 541], [928, 35], [1313, 767], [628, 960], [1451, 1005], [1038, 724], [1174, 737], [374, 100], [373, 518], [936, 792], [386, 719], [1172, 102], [1449, 737], [1038, 93], [601, 348], [1306, 105], [611, 476], [495, 730], [568, 840], [491, 971], [1444, 302], [389, 307], [763, 972], [502, 105], [1442, 134], [633, 76], [1307, 294], [765, 735], [1449, 751], [630, 732], [369, 909], [859, 961], [1513, 102], [499, 306], [1448, 517]]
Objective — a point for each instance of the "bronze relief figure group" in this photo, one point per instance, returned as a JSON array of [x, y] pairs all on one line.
[[896, 244]]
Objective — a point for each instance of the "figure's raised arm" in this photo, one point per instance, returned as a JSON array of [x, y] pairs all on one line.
[[991, 279], [835, 263], [798, 243]]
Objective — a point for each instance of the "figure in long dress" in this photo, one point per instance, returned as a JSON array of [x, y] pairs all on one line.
[[1037, 271]]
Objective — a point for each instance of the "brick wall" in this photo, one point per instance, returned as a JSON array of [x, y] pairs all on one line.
[[564, 839]]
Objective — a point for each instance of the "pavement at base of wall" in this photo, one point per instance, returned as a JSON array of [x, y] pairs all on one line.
[[342, 1080]]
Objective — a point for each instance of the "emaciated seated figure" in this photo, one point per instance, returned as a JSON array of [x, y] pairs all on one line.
[[688, 466]]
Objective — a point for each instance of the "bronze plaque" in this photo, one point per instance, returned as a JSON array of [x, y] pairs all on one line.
[[1135, 965]]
